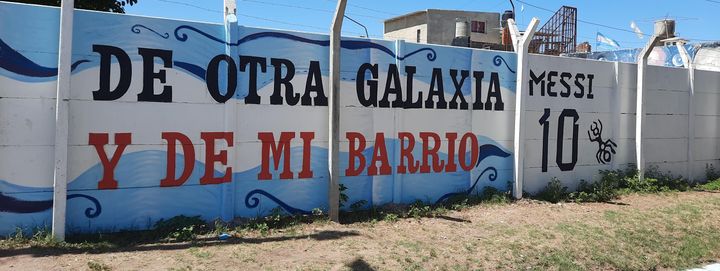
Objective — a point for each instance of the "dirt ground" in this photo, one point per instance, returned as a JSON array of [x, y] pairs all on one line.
[[636, 232]]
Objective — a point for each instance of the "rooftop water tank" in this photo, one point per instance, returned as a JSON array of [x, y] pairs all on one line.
[[665, 29], [461, 28]]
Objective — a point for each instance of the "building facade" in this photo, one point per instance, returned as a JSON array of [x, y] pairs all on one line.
[[437, 26]]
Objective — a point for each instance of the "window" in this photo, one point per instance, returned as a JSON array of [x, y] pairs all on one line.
[[418, 36], [477, 27]]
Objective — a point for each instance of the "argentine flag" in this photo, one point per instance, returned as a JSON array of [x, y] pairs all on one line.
[[605, 40]]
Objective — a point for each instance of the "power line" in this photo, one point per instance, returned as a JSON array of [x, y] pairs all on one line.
[[293, 24], [602, 25], [674, 18], [368, 9], [326, 11], [254, 17], [620, 41], [191, 5], [308, 8], [374, 10], [579, 20], [280, 22], [367, 34]]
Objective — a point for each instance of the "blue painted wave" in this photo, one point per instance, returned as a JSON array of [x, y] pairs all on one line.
[[499, 60], [491, 177], [139, 201], [487, 150], [193, 69], [252, 201], [136, 29], [78, 63], [13, 61], [9, 204], [347, 44]]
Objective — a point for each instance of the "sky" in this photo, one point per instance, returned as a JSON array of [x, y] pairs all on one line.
[[696, 20]]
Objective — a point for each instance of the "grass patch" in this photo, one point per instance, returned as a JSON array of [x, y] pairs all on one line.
[[420, 209], [98, 266], [190, 229], [678, 236], [673, 234], [710, 186]]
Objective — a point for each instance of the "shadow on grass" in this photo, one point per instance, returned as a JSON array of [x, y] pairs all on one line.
[[453, 219], [616, 203], [172, 234], [116, 244], [359, 265]]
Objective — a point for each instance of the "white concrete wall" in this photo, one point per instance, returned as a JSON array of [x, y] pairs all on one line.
[[707, 121], [27, 99], [603, 107], [614, 87]]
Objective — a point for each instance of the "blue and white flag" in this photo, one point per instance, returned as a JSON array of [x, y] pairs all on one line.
[[636, 29], [608, 41]]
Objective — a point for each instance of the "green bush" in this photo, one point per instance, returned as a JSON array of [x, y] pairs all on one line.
[[605, 189], [220, 227], [664, 181], [554, 191], [419, 209], [710, 186], [181, 228], [613, 183], [343, 196], [711, 173], [495, 196], [358, 205]]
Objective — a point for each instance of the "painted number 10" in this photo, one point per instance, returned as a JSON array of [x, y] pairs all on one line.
[[566, 113]]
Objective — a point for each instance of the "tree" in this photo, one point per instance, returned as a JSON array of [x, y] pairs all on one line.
[[116, 6]]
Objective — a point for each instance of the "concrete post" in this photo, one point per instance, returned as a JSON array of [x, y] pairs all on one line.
[[227, 209], [615, 109], [520, 44], [399, 118], [230, 7], [640, 111], [687, 62], [334, 113], [61, 120]]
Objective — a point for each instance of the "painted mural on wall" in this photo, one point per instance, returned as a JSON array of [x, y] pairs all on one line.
[[171, 117], [175, 118], [667, 56]]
